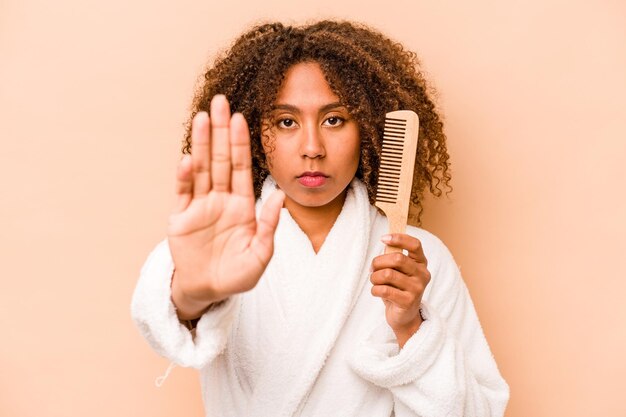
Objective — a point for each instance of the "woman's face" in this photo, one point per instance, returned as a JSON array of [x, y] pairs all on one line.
[[313, 145]]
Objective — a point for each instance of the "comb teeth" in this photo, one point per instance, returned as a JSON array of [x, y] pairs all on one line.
[[391, 160]]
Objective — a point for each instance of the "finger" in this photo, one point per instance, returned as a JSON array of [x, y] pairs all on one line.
[[241, 180], [262, 244], [398, 297], [184, 184], [200, 144], [397, 261], [412, 245], [392, 278], [414, 284], [220, 143]]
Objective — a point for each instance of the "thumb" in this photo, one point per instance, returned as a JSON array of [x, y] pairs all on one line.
[[263, 242], [184, 184]]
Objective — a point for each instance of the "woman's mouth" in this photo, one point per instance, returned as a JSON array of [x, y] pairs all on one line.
[[312, 179]]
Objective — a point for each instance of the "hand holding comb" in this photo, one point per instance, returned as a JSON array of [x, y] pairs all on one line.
[[395, 173]]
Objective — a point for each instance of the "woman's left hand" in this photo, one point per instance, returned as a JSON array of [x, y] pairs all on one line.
[[400, 280]]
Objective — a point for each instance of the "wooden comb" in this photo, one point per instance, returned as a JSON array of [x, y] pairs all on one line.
[[395, 173]]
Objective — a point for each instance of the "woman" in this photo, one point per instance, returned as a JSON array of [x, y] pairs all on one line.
[[271, 279]]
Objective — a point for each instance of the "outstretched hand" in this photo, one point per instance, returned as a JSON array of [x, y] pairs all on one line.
[[218, 246], [400, 281]]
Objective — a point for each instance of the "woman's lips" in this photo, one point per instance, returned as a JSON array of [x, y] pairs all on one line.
[[312, 179]]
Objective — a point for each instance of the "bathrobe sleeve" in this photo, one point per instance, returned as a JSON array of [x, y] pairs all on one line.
[[446, 368], [154, 313]]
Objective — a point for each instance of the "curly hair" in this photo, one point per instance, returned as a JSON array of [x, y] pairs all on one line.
[[370, 73]]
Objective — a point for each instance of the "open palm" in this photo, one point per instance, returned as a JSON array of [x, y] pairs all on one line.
[[218, 246]]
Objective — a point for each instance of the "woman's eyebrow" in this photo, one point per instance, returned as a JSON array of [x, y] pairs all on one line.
[[294, 109]]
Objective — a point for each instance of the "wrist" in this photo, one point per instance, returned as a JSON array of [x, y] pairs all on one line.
[[404, 333], [187, 308]]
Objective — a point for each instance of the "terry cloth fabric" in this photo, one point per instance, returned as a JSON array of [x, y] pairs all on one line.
[[311, 340]]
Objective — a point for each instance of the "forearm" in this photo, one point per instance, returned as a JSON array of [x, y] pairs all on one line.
[[154, 314], [434, 374], [451, 386]]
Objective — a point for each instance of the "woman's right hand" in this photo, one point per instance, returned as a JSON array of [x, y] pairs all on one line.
[[218, 247]]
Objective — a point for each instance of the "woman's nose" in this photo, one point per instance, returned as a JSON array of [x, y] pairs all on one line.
[[311, 145]]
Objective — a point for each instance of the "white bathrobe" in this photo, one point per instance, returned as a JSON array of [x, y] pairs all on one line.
[[311, 340]]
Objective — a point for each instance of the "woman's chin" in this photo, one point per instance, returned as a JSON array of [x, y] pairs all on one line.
[[317, 200]]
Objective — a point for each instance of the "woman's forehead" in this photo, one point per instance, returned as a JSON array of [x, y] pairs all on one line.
[[305, 86]]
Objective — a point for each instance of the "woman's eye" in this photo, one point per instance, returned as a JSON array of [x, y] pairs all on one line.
[[286, 123], [334, 121]]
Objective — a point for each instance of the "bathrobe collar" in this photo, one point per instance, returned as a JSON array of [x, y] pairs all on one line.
[[320, 291]]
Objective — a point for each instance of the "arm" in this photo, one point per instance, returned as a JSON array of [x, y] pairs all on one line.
[[446, 367], [214, 239]]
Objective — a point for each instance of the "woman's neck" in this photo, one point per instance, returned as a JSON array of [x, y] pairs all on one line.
[[316, 222]]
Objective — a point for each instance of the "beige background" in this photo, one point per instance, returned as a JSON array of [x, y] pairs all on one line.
[[92, 100]]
